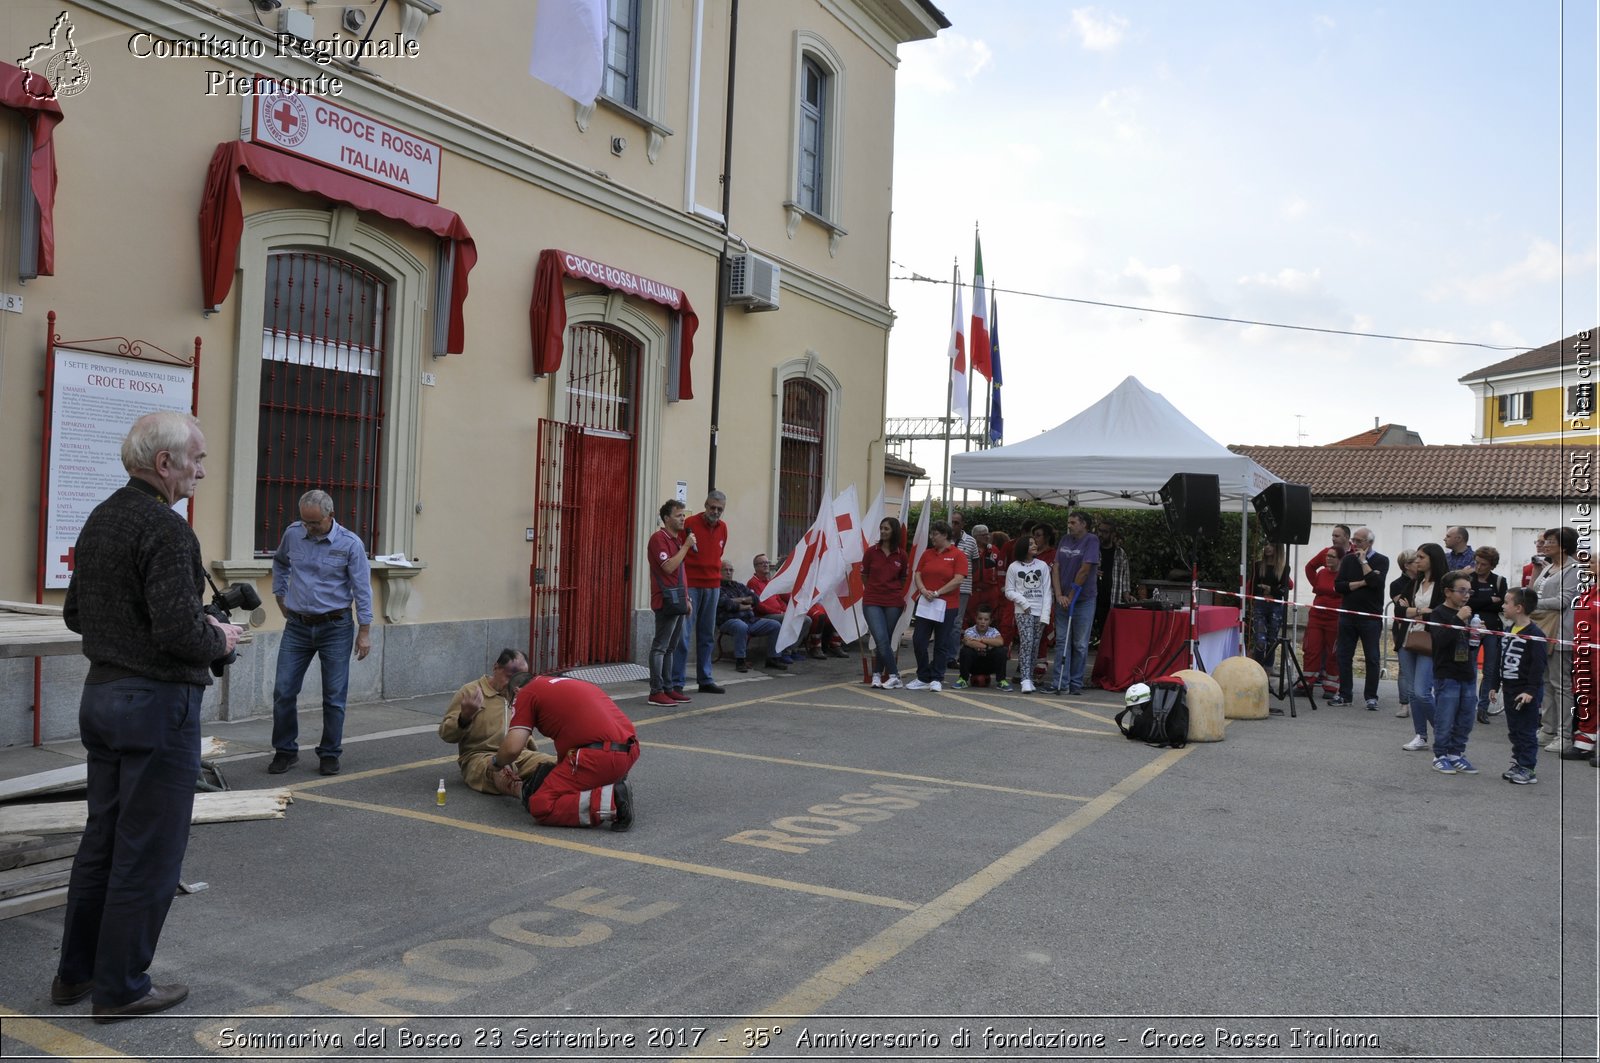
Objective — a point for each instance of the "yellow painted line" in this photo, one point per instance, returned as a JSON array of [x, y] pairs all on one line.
[[619, 854], [876, 772], [1001, 709], [769, 699], [52, 1040], [909, 706], [812, 995], [1051, 701], [1025, 721], [371, 773]]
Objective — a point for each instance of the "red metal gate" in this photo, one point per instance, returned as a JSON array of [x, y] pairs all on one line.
[[584, 514]]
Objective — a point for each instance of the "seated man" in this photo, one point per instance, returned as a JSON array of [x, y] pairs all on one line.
[[476, 722], [774, 605], [983, 652], [595, 748], [736, 616]]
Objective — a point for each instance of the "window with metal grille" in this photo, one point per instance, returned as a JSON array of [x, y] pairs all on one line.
[[813, 136], [800, 460], [322, 395], [600, 381], [622, 53]]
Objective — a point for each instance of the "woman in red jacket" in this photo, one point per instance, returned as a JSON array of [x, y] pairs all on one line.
[[1322, 627], [885, 568]]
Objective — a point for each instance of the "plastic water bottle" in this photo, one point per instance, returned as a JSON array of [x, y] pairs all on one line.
[[439, 797], [1475, 628]]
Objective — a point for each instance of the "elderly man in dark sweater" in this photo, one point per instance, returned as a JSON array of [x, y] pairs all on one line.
[[1363, 574], [135, 597]]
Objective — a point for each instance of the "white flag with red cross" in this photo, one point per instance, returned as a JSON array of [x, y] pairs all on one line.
[[814, 567]]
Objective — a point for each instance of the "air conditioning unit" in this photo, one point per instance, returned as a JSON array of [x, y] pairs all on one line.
[[753, 282]]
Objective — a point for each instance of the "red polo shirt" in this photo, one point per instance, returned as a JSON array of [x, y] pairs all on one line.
[[704, 563]]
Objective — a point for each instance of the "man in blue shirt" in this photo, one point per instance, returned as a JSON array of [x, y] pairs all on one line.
[[319, 570], [1456, 551]]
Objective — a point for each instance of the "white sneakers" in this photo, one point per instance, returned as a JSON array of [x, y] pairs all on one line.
[[1417, 742], [1027, 686], [891, 682], [1557, 744], [877, 680], [916, 684], [936, 686]]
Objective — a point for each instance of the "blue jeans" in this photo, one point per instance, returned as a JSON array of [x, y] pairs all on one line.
[[331, 642], [1420, 668], [743, 630], [668, 638], [1522, 725], [1072, 645], [1453, 716], [703, 600], [1268, 617], [1491, 669], [923, 630], [881, 621], [143, 742], [1366, 630], [952, 636]]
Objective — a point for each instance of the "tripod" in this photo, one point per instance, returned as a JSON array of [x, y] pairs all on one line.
[[1192, 645], [1283, 647]]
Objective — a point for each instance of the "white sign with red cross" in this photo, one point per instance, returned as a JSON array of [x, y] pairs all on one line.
[[345, 140]]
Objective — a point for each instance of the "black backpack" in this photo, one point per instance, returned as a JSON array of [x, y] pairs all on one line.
[[1161, 721]]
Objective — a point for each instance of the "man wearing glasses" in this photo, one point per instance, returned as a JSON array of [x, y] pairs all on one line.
[[1363, 573], [703, 568]]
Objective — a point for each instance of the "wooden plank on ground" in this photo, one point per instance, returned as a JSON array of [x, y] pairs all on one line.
[[21, 850], [62, 817], [76, 776], [35, 879], [33, 902], [30, 607]]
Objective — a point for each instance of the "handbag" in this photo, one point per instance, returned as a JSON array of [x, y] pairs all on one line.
[[1417, 639], [674, 601]]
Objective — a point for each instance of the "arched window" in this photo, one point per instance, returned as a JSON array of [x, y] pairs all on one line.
[[600, 384], [323, 354], [815, 114], [802, 476]]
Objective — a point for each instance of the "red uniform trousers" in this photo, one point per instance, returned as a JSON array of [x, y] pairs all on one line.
[[578, 792], [1320, 651]]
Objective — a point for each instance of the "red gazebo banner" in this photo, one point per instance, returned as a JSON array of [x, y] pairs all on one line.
[[222, 217], [547, 315], [44, 114]]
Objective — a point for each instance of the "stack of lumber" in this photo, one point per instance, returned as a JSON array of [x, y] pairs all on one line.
[[39, 839]]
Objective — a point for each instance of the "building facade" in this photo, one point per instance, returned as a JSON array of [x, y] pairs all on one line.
[[389, 263], [1545, 395]]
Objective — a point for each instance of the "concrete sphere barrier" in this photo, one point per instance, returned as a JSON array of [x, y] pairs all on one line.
[[1244, 688], [1204, 696]]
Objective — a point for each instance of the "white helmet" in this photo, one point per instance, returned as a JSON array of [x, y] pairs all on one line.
[[1137, 694]]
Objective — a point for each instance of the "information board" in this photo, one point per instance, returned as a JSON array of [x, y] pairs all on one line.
[[94, 400]]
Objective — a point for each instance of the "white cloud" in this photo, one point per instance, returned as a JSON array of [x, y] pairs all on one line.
[[1322, 23], [942, 64], [1096, 30], [1294, 208], [1288, 279], [1543, 264]]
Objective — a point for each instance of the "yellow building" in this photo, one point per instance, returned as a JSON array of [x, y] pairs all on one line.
[[1544, 395], [483, 316]]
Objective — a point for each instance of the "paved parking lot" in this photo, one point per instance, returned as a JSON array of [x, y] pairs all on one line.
[[819, 870]]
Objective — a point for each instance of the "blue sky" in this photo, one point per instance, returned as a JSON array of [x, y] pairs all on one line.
[[1391, 168]]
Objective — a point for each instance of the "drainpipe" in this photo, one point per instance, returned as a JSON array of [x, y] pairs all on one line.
[[722, 255]]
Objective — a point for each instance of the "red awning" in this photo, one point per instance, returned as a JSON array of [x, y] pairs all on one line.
[[44, 113], [547, 316], [222, 217]]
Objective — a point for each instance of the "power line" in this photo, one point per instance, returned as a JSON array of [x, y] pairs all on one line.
[[914, 276]]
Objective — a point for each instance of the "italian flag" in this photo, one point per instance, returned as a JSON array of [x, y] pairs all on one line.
[[979, 333]]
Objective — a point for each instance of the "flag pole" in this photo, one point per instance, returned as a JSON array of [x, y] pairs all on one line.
[[950, 389]]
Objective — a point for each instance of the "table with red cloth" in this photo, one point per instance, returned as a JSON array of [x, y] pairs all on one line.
[[1138, 645]]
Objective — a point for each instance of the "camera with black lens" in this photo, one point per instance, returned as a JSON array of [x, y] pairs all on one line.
[[223, 603]]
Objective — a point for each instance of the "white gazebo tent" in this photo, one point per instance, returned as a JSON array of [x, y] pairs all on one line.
[[1117, 453]]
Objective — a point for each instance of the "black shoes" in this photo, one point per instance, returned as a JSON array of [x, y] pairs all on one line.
[[777, 663], [328, 765], [623, 796], [741, 665], [1483, 715], [160, 998], [69, 992], [711, 688], [281, 762], [834, 649]]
